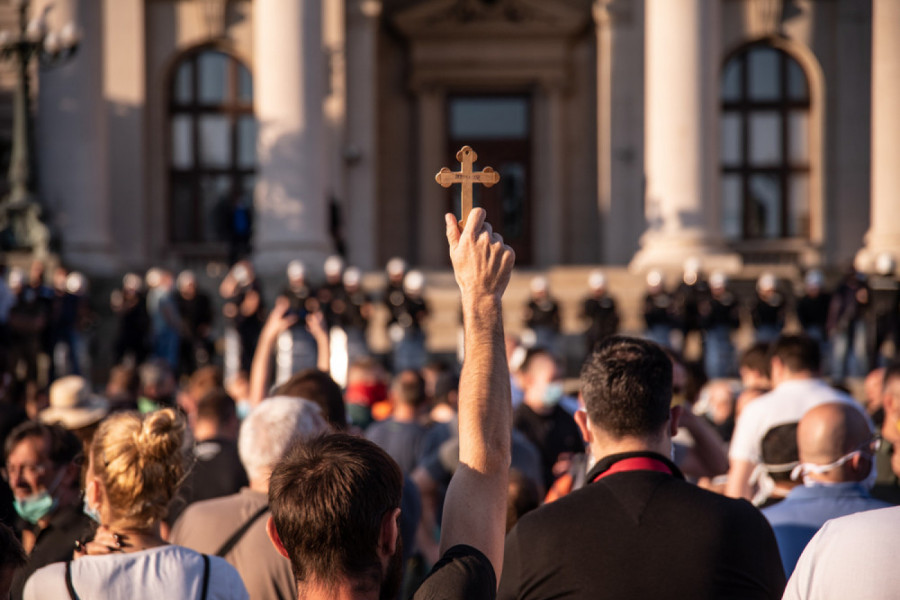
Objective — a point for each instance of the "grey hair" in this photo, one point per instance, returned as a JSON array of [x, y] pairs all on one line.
[[272, 427]]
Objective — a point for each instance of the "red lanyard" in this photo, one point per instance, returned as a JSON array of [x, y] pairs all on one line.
[[636, 463]]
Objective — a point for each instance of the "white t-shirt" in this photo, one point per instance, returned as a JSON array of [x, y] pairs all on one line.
[[785, 404], [163, 572], [851, 557]]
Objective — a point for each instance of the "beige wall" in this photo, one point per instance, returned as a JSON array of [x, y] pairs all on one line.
[[599, 216]]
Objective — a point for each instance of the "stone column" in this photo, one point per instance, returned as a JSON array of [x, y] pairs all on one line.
[[360, 152], [431, 203], [289, 78], [681, 136], [550, 199], [884, 231], [71, 143], [125, 96]]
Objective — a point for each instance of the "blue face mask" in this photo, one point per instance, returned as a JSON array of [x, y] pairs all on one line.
[[553, 393], [243, 409], [35, 507], [90, 511]]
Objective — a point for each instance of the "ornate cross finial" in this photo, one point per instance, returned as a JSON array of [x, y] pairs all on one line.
[[466, 177]]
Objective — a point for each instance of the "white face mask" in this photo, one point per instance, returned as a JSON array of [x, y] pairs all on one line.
[[804, 470]]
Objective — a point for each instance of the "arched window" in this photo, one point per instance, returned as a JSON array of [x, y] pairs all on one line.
[[765, 146], [212, 158]]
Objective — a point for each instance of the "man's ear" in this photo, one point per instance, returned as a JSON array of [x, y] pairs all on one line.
[[584, 424], [274, 538], [390, 533], [674, 418]]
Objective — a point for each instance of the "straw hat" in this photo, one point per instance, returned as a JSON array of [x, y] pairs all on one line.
[[72, 404]]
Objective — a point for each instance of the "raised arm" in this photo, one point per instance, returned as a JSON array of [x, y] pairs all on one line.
[[279, 320], [475, 505]]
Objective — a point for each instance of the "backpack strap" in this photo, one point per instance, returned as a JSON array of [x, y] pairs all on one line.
[[69, 587], [205, 587], [237, 535]]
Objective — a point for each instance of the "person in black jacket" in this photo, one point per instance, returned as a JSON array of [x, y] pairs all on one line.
[[720, 317], [638, 530]]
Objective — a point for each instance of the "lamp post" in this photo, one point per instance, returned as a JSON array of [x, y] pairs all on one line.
[[31, 41]]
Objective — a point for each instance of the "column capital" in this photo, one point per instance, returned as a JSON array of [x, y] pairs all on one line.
[[607, 13]]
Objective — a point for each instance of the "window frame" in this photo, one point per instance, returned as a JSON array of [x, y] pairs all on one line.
[[233, 108], [783, 105]]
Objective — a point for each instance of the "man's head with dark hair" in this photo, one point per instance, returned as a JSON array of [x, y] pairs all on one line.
[[62, 446], [317, 386], [216, 416], [778, 450], [41, 459], [408, 388], [754, 363], [216, 406], [794, 356], [335, 502], [626, 385]]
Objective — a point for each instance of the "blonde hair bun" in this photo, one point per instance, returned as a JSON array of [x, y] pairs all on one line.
[[141, 462], [161, 435]]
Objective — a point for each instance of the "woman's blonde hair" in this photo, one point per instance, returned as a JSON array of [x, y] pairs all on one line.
[[140, 462]]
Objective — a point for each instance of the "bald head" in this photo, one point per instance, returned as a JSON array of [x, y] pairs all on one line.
[[828, 432]]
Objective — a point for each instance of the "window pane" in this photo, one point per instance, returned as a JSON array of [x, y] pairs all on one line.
[[765, 138], [732, 207], [182, 217], [245, 84], [183, 91], [215, 198], [246, 142], [798, 137], [796, 80], [512, 189], [798, 219], [215, 141], [731, 80], [764, 80], [489, 118], [764, 210], [182, 142], [213, 77], [732, 139]]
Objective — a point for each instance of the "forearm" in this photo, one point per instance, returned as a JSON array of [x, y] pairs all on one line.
[[485, 408], [259, 368]]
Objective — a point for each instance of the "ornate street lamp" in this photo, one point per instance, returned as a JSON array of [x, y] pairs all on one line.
[[20, 212]]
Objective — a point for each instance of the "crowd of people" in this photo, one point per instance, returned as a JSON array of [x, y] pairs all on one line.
[[302, 466]]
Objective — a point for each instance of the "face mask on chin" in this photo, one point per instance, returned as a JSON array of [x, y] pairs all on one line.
[[553, 393], [35, 507]]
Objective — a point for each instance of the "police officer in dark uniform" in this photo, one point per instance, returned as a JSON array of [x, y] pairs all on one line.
[[768, 310], [659, 307], [883, 322], [600, 309], [542, 315], [332, 289], [720, 317], [691, 292]]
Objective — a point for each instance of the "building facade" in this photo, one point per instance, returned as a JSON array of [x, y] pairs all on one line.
[[628, 132]]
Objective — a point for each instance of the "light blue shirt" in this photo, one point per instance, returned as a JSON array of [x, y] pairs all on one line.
[[797, 518]]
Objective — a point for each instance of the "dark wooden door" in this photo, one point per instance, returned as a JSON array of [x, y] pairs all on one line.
[[498, 128]]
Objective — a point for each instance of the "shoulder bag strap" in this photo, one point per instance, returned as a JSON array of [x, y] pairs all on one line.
[[205, 587], [237, 535], [69, 587]]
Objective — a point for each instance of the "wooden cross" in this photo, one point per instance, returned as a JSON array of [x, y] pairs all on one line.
[[465, 177]]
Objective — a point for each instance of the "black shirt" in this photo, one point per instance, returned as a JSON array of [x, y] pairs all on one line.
[[642, 534], [217, 471], [54, 543], [463, 573], [552, 434]]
